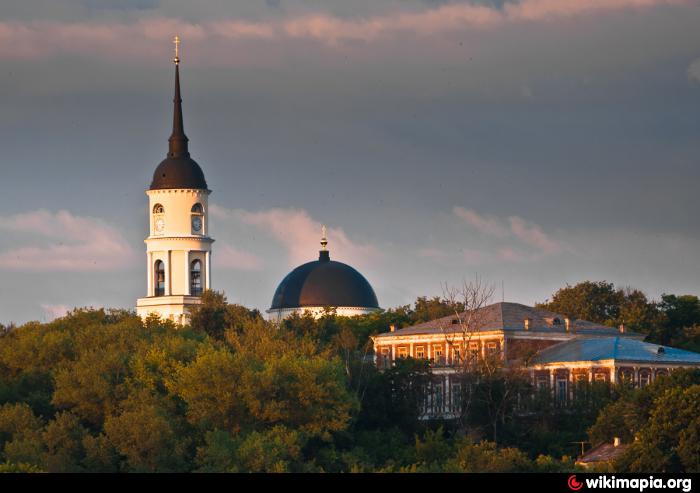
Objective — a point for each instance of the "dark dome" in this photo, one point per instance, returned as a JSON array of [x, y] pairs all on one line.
[[178, 172], [324, 283]]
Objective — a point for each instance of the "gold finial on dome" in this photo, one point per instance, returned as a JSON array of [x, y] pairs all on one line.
[[324, 240], [176, 41]]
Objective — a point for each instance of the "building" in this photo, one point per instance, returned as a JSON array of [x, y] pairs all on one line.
[[602, 455], [321, 284], [178, 247], [556, 351]]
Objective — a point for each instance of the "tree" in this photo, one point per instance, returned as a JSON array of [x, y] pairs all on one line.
[[588, 300]]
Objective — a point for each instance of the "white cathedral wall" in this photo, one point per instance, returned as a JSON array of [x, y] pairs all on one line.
[[317, 311], [178, 205]]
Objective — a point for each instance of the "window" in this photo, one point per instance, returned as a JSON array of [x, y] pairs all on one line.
[[491, 348], [420, 352], [196, 278], [581, 377], [456, 396], [599, 377], [626, 375], [403, 352], [542, 384], [437, 354], [644, 378], [386, 355], [197, 219], [438, 402], [474, 350], [456, 356], [159, 278], [158, 209], [561, 391]]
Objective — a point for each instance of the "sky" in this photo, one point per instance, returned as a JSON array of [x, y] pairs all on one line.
[[533, 143]]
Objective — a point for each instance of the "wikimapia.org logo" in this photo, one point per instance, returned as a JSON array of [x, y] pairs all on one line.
[[640, 484]]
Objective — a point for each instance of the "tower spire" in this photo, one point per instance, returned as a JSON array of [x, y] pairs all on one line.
[[178, 140], [324, 255]]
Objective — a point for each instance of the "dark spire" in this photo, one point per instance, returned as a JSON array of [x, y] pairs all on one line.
[[178, 140]]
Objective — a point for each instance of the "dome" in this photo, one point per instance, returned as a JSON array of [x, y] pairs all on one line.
[[178, 172], [324, 282]]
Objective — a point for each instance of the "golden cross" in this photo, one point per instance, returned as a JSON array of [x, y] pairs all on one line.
[[176, 40]]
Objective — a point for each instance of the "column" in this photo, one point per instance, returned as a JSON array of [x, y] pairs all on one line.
[[207, 262], [410, 350], [168, 289], [613, 374], [636, 377], [187, 272], [149, 273], [393, 355], [551, 383]]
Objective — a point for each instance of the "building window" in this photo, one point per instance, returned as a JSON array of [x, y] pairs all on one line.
[[437, 355], [197, 219], [626, 376], [403, 352], [542, 384], [386, 356], [158, 209], [644, 378], [474, 351], [159, 278], [456, 397], [599, 377], [456, 356], [491, 348], [561, 391], [196, 278], [420, 352], [438, 402]]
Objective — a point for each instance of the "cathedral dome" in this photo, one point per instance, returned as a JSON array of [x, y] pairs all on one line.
[[323, 283], [178, 172]]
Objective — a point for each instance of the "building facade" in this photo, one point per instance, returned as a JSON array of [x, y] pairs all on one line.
[[178, 246], [554, 351]]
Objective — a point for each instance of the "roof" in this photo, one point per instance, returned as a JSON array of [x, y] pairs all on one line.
[[178, 169], [324, 282], [509, 317], [603, 453], [614, 348]]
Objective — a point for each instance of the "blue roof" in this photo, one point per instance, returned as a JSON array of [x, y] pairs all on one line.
[[615, 348]]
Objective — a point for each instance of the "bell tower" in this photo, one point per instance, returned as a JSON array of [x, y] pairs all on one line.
[[178, 246]]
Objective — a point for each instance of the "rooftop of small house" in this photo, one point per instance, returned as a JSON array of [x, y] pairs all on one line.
[[509, 317], [614, 348], [604, 452]]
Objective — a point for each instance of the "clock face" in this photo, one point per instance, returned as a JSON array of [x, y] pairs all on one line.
[[197, 223], [160, 225]]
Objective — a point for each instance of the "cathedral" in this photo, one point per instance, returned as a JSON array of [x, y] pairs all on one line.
[[179, 248]]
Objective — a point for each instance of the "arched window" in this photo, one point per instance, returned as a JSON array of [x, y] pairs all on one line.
[[158, 209], [159, 278], [196, 278], [197, 219]]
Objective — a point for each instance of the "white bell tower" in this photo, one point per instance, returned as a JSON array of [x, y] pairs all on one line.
[[178, 246]]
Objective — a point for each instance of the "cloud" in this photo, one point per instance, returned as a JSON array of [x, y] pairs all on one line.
[[527, 233], [694, 70], [144, 38], [75, 243], [299, 234], [229, 257], [485, 224]]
